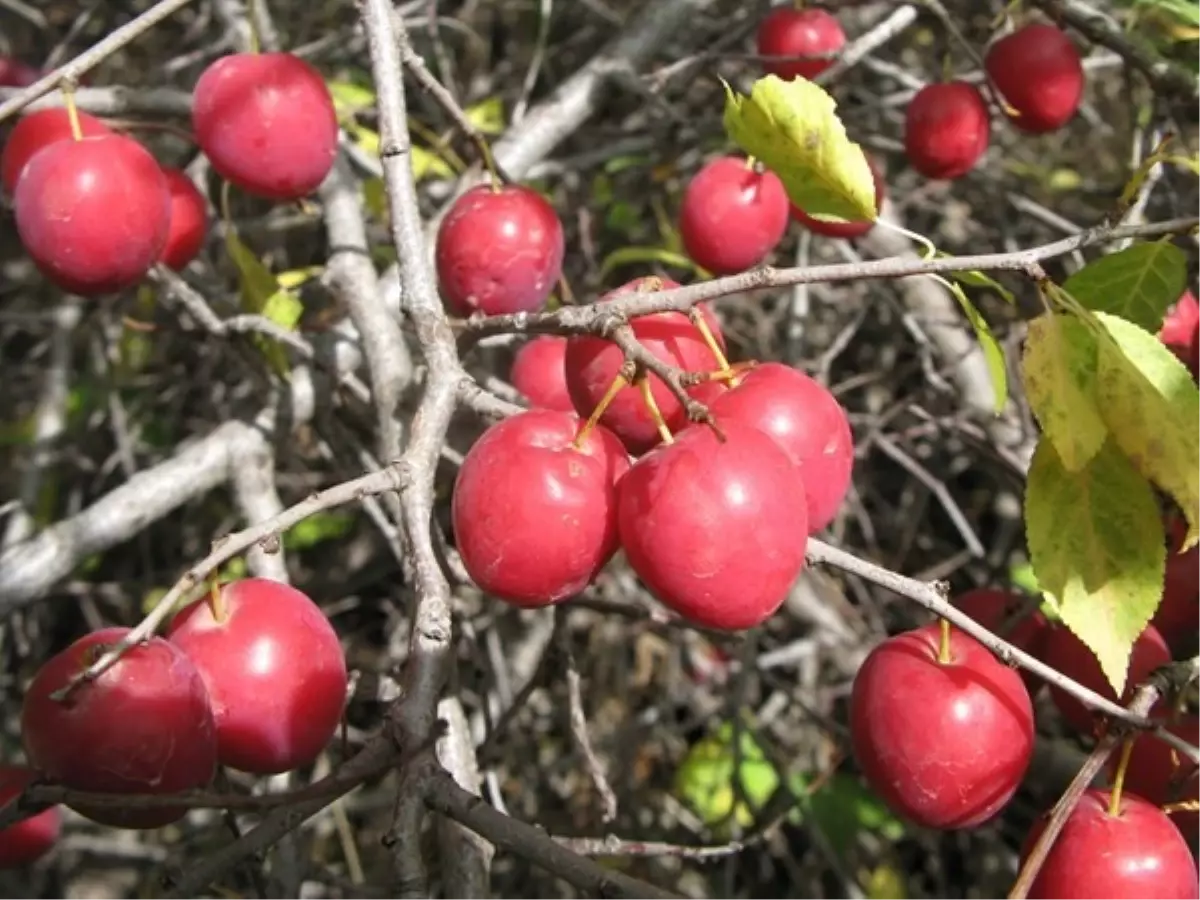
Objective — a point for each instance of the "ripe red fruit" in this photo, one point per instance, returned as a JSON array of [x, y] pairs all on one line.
[[539, 373], [592, 364], [1136, 853], [1178, 611], [807, 422], [943, 744], [1162, 775], [1066, 653], [94, 214], [14, 73], [274, 669], [845, 230], [946, 129], [1180, 321], [32, 838], [1038, 72], [189, 220], [993, 608], [788, 31], [534, 517], [36, 131], [143, 727], [266, 122], [499, 250], [715, 528], [732, 216]]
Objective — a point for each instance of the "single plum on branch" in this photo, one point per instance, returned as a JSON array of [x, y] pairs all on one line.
[[1066, 653], [592, 364], [534, 506], [1039, 73], [946, 129], [144, 726], [267, 123], [1131, 852], [274, 669], [942, 730], [733, 215], [539, 372], [787, 31], [93, 214], [499, 250], [715, 525], [32, 838], [37, 130], [808, 424], [1177, 618], [189, 220], [844, 230]]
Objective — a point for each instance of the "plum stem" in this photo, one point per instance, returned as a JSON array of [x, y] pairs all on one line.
[[660, 423], [564, 288], [710, 339], [68, 92], [489, 162], [751, 162], [944, 657], [618, 384], [216, 601], [252, 21], [1118, 784]]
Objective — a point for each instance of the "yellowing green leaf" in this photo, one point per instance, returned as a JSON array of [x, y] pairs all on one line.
[[487, 116], [992, 353], [426, 164], [1058, 368], [294, 278], [350, 98], [793, 128], [284, 309], [884, 882], [1137, 283], [705, 779], [624, 256], [260, 291], [367, 139], [1151, 406], [1097, 547], [975, 278]]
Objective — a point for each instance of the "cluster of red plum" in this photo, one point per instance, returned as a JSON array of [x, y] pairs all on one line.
[[95, 210], [252, 677]]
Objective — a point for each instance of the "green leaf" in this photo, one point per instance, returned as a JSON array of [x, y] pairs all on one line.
[[793, 128], [706, 777], [1097, 546], [350, 98], [975, 278], [842, 808], [1058, 368], [261, 295], [1186, 12], [1151, 406], [487, 116], [624, 256], [427, 164], [884, 882], [316, 529], [294, 278], [1021, 576], [992, 351], [1137, 283]]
